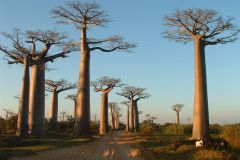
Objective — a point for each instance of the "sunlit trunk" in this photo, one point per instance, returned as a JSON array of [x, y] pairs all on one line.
[[177, 118], [112, 119], [22, 124], [201, 117], [53, 114], [104, 114], [127, 120], [136, 117], [116, 121], [37, 101], [131, 118], [82, 123]]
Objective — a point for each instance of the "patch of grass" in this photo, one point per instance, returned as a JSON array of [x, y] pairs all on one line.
[[163, 147], [11, 146]]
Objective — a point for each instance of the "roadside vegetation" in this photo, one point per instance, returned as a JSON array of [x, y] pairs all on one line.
[[171, 142], [58, 135]]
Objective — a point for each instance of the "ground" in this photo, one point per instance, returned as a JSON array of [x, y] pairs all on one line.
[[115, 146]]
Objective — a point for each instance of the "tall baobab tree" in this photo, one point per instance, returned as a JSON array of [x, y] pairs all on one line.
[[112, 106], [20, 54], [48, 40], [127, 104], [134, 95], [204, 27], [177, 108], [105, 85], [117, 115], [57, 87], [86, 15], [73, 98]]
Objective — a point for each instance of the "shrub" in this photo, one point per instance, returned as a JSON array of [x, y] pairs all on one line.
[[215, 129], [231, 133], [148, 128]]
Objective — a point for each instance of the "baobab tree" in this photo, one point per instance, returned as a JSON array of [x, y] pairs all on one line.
[[134, 95], [86, 15], [177, 108], [204, 27], [112, 106], [49, 40], [105, 86], [57, 87], [62, 115], [117, 115], [20, 54], [73, 98], [127, 104]]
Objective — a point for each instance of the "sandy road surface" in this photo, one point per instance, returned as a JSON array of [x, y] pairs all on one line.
[[110, 147]]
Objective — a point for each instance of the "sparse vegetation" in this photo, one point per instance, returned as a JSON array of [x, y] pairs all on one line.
[[165, 143]]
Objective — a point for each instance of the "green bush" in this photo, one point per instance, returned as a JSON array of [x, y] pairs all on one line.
[[215, 129], [148, 128]]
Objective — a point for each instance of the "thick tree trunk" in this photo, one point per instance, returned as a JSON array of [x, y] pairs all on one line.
[[127, 120], [117, 121], [131, 118], [53, 114], [104, 114], [22, 124], [136, 117], [112, 119], [82, 123], [177, 118], [37, 101], [201, 117]]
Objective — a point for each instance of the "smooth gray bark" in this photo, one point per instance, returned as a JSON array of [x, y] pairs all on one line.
[[53, 114], [82, 122], [104, 114], [37, 101], [22, 124], [201, 117], [131, 117]]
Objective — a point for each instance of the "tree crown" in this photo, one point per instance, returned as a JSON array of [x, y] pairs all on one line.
[[204, 23], [105, 84], [59, 86]]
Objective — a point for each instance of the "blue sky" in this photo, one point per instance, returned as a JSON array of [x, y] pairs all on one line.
[[164, 68]]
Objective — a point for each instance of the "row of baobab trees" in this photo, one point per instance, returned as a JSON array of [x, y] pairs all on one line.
[[202, 26]]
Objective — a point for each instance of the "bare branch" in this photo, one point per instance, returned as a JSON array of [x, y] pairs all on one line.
[[106, 84], [131, 92], [81, 13], [59, 86], [185, 24], [111, 44]]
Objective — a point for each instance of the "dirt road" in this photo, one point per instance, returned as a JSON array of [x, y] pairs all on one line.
[[110, 147]]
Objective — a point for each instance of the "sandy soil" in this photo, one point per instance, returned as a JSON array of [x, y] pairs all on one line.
[[110, 147]]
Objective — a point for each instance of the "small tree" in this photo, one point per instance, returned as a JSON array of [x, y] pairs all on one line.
[[105, 85], [86, 15], [63, 114], [73, 98], [177, 108], [57, 87], [205, 27], [134, 95]]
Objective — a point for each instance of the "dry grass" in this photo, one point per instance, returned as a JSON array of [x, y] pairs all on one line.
[[161, 147]]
